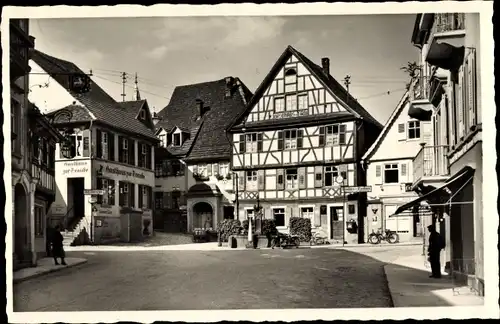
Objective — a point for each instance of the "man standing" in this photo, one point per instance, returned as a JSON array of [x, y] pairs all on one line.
[[436, 244], [57, 246]]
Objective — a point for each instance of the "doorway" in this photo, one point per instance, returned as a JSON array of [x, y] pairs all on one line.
[[228, 212], [336, 214], [202, 215], [76, 198]]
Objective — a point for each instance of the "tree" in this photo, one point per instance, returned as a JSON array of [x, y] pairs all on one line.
[[412, 69]]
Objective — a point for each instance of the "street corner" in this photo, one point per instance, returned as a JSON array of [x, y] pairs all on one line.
[[45, 266]]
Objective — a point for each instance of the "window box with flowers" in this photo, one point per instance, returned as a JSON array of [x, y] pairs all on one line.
[[228, 176], [220, 177]]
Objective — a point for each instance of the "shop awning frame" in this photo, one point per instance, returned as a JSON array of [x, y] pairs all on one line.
[[466, 173]]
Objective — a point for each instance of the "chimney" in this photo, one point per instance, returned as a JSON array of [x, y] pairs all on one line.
[[229, 86], [199, 106], [156, 118], [325, 64]]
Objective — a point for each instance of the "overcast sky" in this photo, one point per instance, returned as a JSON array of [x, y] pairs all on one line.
[[167, 52]]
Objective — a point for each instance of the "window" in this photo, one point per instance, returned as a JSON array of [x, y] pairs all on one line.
[[251, 142], [163, 140], [104, 146], [176, 199], [15, 123], [177, 168], [391, 173], [249, 212], [108, 185], [291, 103], [291, 179], [127, 196], [303, 104], [335, 135], [331, 173], [352, 209], [124, 151], [39, 224], [144, 197], [290, 139], [202, 170], [159, 169], [176, 139], [251, 180], [279, 216], [77, 145], [145, 156], [224, 169], [279, 105], [158, 200], [290, 80], [413, 129], [142, 114], [307, 212]]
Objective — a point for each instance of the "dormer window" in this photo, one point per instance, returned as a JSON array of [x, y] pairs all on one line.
[[176, 140], [142, 114]]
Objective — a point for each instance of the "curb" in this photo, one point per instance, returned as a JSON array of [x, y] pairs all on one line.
[[388, 286], [36, 275]]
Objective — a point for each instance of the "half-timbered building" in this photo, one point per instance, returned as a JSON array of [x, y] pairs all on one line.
[[194, 185], [298, 144]]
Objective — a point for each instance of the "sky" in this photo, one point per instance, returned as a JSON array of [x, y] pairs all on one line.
[[166, 52]]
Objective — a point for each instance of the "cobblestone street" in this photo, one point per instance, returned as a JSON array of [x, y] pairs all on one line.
[[184, 280]]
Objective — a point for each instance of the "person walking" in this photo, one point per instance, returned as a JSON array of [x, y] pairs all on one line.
[[436, 244], [57, 246]]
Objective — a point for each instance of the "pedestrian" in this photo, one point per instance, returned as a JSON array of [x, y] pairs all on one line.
[[57, 246], [48, 241], [436, 244]]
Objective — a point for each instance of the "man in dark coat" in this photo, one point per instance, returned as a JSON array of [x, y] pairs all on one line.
[[57, 246], [436, 244]]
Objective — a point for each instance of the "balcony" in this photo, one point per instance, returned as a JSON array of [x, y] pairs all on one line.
[[430, 165], [20, 44], [446, 41], [420, 100]]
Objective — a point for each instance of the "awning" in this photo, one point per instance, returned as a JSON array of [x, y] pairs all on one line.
[[420, 113], [445, 56], [441, 195]]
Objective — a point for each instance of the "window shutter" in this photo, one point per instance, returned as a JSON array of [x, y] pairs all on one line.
[[131, 190], [280, 179], [209, 169], [131, 149], [343, 173], [167, 200], [261, 179], [322, 136], [241, 180], [288, 214], [317, 217], [280, 141], [259, 142], [471, 88], [460, 102], [404, 172], [302, 178], [121, 194], [300, 137], [242, 143], [105, 148], [378, 174], [98, 143], [99, 186], [216, 169], [111, 146], [401, 132], [318, 176], [342, 134], [140, 196], [182, 198], [86, 142]]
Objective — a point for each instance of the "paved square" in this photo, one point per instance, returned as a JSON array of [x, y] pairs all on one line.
[[195, 280]]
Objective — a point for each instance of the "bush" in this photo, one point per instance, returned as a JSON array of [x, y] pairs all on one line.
[[244, 226], [228, 227], [301, 227], [269, 227]]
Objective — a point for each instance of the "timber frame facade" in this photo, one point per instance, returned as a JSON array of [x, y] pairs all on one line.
[[300, 132]]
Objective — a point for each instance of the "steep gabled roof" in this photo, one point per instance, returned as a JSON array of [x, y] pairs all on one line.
[[99, 106], [136, 106], [328, 81], [390, 122], [207, 132]]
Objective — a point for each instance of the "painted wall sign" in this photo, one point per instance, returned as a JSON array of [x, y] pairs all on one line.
[[120, 171], [74, 167], [103, 211]]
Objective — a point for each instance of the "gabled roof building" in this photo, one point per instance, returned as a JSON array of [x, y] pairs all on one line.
[[193, 163]]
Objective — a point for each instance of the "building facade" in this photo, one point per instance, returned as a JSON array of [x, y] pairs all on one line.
[[389, 167], [448, 173], [108, 147], [194, 184], [299, 142]]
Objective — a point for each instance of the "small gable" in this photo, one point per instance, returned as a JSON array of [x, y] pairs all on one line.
[[144, 115], [294, 91]]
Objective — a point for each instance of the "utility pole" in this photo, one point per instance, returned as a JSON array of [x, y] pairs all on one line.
[[124, 80]]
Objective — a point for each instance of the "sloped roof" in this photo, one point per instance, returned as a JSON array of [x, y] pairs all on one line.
[[328, 81], [208, 136], [390, 122], [135, 106], [100, 106]]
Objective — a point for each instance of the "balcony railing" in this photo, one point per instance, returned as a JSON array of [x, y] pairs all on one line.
[[420, 89], [445, 22], [430, 161]]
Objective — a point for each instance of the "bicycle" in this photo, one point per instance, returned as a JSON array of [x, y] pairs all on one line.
[[318, 239], [388, 235], [285, 240]]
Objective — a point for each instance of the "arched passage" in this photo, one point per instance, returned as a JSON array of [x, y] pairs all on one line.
[[21, 224], [203, 215]]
